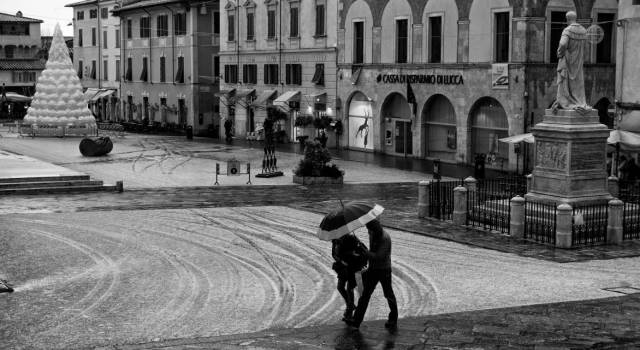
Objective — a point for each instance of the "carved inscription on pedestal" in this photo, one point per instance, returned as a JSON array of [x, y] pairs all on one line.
[[552, 155], [587, 156]]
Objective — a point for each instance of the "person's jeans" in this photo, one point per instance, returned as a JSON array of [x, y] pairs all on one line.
[[370, 279]]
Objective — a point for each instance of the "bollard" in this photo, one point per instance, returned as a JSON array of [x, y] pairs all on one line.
[[119, 186], [529, 182], [614, 222], [471, 184], [460, 205], [517, 217], [613, 185], [564, 226], [423, 198]]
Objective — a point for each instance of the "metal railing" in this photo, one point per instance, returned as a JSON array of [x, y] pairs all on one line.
[[489, 205], [441, 198], [540, 222], [631, 218], [589, 224]]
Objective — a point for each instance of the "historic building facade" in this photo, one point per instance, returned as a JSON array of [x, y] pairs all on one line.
[[445, 79], [281, 53], [168, 54]]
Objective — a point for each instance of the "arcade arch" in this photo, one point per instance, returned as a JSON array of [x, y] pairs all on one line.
[[439, 128], [397, 125], [488, 121], [360, 121]]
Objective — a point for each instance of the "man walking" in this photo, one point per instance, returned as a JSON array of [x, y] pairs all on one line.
[[379, 271]]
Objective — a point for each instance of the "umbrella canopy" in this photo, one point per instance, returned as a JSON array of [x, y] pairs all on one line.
[[528, 138], [13, 97], [351, 216], [629, 141]]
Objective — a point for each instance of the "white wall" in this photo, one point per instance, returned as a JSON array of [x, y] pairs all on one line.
[[395, 10], [481, 28], [359, 11], [449, 12]]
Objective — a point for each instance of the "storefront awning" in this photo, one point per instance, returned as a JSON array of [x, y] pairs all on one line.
[[225, 93], [241, 93], [88, 95], [319, 98], [285, 98], [264, 98], [102, 94]]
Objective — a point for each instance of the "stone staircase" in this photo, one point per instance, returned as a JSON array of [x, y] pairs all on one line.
[[53, 184]]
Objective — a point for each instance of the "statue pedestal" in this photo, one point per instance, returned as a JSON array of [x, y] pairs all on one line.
[[570, 159]]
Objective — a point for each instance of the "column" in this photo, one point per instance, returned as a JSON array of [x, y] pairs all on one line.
[[377, 45], [416, 46], [528, 39], [463, 40]]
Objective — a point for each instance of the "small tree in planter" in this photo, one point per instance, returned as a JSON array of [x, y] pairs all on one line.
[[314, 168]]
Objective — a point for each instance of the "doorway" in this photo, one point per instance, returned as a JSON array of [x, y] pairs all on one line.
[[403, 137]]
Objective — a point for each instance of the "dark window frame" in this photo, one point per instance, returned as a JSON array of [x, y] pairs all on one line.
[[80, 69], [402, 40], [129, 29], [162, 25], [80, 15], [180, 73], [180, 24], [358, 42], [145, 27], [163, 69], [271, 74], [250, 73], [144, 74], [293, 74], [435, 39], [502, 34], [271, 24], [318, 75], [94, 34], [294, 22], [80, 37], [231, 27], [321, 30], [251, 28]]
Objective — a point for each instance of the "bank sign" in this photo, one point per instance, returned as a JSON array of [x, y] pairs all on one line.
[[434, 79]]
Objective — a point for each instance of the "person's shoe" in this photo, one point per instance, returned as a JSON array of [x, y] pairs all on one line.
[[391, 326]]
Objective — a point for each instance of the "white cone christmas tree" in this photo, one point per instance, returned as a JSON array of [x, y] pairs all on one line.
[[59, 99]]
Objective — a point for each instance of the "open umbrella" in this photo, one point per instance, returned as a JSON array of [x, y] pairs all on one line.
[[351, 216], [528, 138]]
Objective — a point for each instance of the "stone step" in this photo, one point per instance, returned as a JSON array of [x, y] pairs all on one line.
[[62, 183], [44, 178], [64, 189]]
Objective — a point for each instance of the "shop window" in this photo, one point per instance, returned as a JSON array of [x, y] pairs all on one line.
[[230, 73], [604, 49], [402, 40], [271, 24], [231, 29], [501, 43], [80, 36], [180, 24], [358, 42], [93, 36], [488, 124], [163, 69], [143, 74], [294, 17], [558, 22], [293, 74], [250, 73], [435, 39], [80, 68], [320, 18], [251, 32], [318, 76], [440, 128], [145, 27], [271, 74], [162, 26], [180, 73]]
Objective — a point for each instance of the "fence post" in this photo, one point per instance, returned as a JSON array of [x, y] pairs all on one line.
[[529, 182], [564, 225], [613, 185], [423, 198], [471, 184], [460, 205], [517, 217], [614, 222]]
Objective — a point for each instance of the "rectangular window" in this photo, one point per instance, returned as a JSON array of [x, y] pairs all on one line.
[[271, 75], [129, 30], [80, 37], [93, 13], [230, 73], [250, 74], [250, 26], [293, 74], [402, 40], [104, 12], [320, 31], [216, 22], [104, 39], [231, 29], [435, 39], [144, 75], [117, 70], [80, 68], [117, 38], [558, 22], [163, 68], [145, 27], [162, 25], [604, 49], [80, 15], [501, 37], [271, 24], [358, 42], [216, 66], [318, 76], [105, 72], [293, 25], [93, 69], [93, 36], [180, 24], [129, 74], [180, 73]]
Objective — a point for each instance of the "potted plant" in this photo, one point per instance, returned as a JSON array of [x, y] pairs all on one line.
[[315, 169]]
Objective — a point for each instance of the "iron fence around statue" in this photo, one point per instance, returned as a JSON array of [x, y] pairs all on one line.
[[589, 225], [441, 198], [540, 222], [631, 217], [489, 205]]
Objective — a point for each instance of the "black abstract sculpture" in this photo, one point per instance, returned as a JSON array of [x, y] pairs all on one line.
[[95, 146]]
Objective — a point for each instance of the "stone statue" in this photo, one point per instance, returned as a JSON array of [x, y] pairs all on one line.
[[570, 75]]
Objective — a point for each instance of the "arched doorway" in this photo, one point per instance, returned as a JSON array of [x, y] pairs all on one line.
[[396, 123], [603, 106], [439, 128], [488, 124], [360, 122]]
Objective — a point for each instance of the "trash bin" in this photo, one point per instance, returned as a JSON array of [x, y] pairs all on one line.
[[189, 132]]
